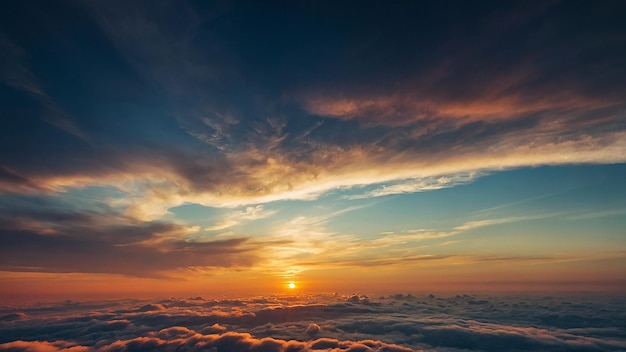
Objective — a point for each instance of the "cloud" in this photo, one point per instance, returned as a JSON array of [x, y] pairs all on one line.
[[598, 214], [277, 177], [390, 238], [37, 346], [230, 341], [396, 322], [251, 213], [12, 316], [407, 110], [313, 329], [16, 74], [228, 133], [419, 185], [36, 235], [151, 308], [440, 81], [48, 253], [471, 225], [96, 238], [47, 234], [291, 251]]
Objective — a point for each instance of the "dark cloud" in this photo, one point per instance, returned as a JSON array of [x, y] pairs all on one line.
[[313, 329], [151, 308], [12, 316], [40, 234], [28, 251]]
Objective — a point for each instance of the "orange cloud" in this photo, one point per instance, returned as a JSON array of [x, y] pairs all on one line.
[[399, 110]]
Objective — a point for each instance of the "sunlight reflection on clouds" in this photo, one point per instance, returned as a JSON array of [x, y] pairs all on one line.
[[303, 323]]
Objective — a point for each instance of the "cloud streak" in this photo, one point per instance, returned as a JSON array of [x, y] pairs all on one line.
[[419, 185], [249, 214], [47, 239]]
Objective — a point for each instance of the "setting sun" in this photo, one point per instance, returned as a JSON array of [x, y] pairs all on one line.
[[291, 285]]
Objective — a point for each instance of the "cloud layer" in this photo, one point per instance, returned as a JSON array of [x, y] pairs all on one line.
[[326, 322]]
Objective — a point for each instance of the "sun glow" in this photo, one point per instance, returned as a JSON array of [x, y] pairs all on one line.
[[291, 285]]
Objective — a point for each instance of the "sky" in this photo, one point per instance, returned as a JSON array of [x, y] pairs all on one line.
[[185, 148]]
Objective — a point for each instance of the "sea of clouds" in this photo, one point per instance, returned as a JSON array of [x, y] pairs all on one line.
[[393, 323]]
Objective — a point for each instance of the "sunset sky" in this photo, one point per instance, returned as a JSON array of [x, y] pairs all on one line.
[[156, 148]]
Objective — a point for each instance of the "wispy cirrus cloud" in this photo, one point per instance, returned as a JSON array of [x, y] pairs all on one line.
[[419, 185], [411, 235], [401, 110], [471, 225], [16, 74], [249, 214]]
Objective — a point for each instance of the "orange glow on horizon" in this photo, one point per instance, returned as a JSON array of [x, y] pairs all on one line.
[[591, 275]]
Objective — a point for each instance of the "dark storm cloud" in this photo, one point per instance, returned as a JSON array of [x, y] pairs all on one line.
[[323, 322]]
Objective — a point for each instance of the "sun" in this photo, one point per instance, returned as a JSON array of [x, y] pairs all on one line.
[[291, 285]]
